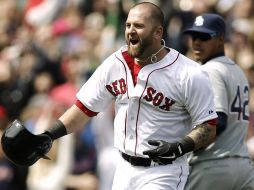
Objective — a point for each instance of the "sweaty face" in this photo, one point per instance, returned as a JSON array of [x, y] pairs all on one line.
[[138, 33], [204, 46]]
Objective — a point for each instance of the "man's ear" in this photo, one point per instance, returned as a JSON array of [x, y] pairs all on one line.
[[221, 39], [158, 32]]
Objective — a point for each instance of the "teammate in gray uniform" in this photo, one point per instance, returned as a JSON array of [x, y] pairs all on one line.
[[225, 164]]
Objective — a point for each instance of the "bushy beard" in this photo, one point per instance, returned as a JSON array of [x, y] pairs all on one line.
[[138, 51]]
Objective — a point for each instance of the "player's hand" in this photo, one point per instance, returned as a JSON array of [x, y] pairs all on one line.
[[22, 147], [43, 143], [165, 152]]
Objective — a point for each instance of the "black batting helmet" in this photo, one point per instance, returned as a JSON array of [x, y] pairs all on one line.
[[22, 147]]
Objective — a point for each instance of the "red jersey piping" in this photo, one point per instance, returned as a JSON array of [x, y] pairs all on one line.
[[84, 109]]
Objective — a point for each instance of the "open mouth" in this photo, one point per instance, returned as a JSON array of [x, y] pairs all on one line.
[[134, 42]]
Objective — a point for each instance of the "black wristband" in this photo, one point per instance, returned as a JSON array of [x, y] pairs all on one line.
[[187, 144], [57, 130]]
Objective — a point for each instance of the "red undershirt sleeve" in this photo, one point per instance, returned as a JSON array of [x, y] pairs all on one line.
[[212, 121]]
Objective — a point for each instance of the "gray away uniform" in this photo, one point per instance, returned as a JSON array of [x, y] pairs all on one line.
[[225, 164]]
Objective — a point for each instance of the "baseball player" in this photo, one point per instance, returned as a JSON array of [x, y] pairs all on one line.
[[159, 96], [224, 165]]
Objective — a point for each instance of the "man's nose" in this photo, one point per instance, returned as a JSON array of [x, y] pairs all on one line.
[[132, 30]]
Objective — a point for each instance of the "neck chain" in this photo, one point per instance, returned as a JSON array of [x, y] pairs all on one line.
[[153, 58]]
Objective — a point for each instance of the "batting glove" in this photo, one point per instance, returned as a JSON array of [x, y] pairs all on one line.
[[166, 153], [42, 143]]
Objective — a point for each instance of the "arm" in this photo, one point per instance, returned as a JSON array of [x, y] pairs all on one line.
[[201, 136], [71, 120], [74, 119], [196, 91], [96, 97], [37, 146], [222, 123]]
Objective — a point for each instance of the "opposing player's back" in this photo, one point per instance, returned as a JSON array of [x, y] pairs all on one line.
[[225, 164], [231, 97]]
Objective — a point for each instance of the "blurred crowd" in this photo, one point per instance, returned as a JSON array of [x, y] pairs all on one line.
[[49, 48]]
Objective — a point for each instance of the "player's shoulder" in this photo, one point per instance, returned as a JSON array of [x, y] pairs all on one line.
[[113, 59], [219, 63], [187, 69], [222, 65], [184, 60], [187, 65], [183, 64]]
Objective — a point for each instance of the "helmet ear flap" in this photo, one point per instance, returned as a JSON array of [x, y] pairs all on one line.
[[21, 146]]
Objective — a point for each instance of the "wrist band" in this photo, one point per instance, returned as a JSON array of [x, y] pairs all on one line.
[[57, 130], [187, 144]]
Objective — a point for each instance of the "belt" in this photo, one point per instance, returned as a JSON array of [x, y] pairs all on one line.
[[137, 161]]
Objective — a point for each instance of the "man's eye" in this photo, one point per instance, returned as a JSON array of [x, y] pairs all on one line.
[[139, 26]]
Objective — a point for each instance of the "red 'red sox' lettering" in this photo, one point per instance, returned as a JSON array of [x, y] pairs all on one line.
[[117, 87], [158, 99]]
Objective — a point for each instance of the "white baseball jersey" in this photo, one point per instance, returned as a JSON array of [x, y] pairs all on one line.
[[231, 90], [169, 98]]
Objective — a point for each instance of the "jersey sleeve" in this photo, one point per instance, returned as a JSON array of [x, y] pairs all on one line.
[[93, 94], [199, 97], [219, 88]]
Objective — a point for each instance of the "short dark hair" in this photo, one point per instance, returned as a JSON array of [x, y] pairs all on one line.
[[157, 14]]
